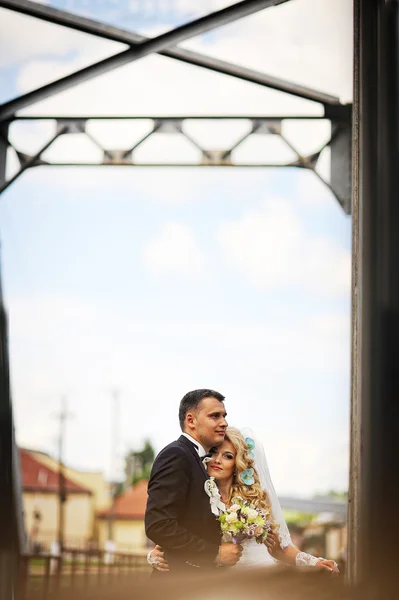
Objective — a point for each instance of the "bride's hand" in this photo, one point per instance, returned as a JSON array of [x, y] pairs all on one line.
[[157, 560], [272, 543], [330, 565]]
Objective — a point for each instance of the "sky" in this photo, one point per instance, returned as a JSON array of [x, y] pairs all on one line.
[[146, 283]]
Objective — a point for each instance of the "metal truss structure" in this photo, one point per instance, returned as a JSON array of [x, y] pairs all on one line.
[[338, 114]]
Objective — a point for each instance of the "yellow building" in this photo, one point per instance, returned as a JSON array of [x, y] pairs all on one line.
[[40, 486], [126, 521], [92, 480]]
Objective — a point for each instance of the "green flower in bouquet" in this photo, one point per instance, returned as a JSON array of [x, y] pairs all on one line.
[[242, 521]]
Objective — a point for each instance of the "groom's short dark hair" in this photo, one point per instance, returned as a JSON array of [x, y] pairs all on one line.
[[191, 401]]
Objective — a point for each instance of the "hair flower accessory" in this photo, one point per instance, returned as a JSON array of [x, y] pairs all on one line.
[[247, 476], [251, 447]]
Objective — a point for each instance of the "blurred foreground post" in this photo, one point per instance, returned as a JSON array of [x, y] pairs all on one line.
[[12, 530], [374, 518]]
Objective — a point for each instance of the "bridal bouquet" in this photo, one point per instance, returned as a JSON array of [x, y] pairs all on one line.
[[244, 521]]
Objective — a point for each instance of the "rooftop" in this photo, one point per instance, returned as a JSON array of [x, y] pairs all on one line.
[[40, 478], [131, 504]]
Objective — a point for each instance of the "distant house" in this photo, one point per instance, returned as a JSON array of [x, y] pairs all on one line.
[[91, 480], [40, 502], [126, 519]]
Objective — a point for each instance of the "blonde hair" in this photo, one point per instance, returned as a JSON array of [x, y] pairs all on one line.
[[254, 493]]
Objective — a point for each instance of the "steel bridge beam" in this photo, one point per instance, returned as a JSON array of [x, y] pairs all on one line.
[[116, 34], [339, 143], [153, 45], [29, 161]]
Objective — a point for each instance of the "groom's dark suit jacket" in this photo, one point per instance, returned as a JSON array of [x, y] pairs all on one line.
[[178, 515]]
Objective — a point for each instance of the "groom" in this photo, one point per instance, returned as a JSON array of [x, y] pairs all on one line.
[[178, 515]]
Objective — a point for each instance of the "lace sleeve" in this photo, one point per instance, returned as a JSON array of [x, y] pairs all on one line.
[[306, 560], [285, 538]]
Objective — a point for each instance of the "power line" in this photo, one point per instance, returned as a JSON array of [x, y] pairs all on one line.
[[63, 416], [115, 410]]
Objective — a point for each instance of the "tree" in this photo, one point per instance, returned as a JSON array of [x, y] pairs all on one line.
[[298, 519], [332, 495], [138, 464]]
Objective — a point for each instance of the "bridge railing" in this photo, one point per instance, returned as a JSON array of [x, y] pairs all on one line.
[[42, 575]]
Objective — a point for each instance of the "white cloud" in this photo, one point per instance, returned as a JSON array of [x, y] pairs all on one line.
[[25, 39], [306, 41], [311, 191], [307, 136], [155, 85], [315, 471], [272, 248], [333, 326], [50, 310], [175, 251]]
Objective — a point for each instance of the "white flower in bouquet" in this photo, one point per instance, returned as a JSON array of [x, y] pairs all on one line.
[[258, 531], [231, 518], [245, 522], [252, 513]]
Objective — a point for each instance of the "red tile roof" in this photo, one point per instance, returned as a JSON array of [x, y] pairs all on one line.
[[131, 504], [36, 477]]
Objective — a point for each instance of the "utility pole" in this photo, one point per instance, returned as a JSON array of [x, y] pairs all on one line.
[[115, 407], [62, 416]]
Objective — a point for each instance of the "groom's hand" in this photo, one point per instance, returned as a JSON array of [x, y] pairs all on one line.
[[156, 559], [229, 554]]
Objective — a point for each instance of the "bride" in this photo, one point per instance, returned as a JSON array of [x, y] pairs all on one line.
[[239, 468]]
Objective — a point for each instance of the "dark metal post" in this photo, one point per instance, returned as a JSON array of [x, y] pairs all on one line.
[[355, 438], [341, 164], [22, 585], [74, 556], [3, 152], [46, 579], [378, 293], [9, 520]]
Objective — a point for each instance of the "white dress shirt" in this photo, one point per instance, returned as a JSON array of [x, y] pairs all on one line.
[[201, 451]]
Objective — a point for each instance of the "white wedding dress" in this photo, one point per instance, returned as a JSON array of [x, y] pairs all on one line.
[[256, 555]]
